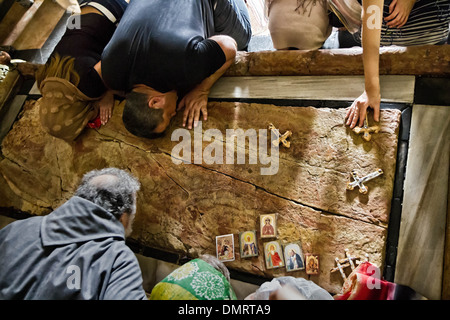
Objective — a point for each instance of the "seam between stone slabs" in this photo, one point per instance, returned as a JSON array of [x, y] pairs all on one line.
[[378, 223]]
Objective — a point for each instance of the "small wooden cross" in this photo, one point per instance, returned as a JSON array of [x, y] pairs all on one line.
[[366, 130], [340, 268], [359, 182], [350, 261], [281, 138]]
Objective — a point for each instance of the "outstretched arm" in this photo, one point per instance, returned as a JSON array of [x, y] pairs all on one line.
[[106, 103], [195, 102], [371, 34]]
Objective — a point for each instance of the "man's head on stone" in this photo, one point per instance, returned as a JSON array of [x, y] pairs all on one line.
[[147, 112], [114, 190]]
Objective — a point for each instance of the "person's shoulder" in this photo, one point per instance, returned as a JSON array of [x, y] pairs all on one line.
[[30, 222], [120, 249]]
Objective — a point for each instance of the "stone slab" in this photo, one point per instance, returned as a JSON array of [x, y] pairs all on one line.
[[183, 207], [424, 215], [398, 89]]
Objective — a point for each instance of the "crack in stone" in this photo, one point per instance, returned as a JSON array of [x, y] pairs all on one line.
[[165, 172], [18, 190], [59, 170], [376, 223], [257, 268]]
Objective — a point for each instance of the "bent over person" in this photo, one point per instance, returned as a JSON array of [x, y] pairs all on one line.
[[396, 22], [73, 93], [78, 251], [164, 52]]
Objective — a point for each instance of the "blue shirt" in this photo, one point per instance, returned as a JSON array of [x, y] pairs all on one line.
[[164, 45]]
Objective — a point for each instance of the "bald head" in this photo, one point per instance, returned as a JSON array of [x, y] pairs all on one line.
[[112, 189], [104, 181]]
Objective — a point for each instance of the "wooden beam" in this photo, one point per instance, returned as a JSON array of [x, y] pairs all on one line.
[[418, 60], [37, 31], [14, 14], [20, 26]]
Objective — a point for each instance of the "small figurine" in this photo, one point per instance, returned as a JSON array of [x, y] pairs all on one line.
[[280, 138], [360, 181]]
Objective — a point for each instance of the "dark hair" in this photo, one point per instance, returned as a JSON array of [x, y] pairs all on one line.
[[138, 118], [112, 189]]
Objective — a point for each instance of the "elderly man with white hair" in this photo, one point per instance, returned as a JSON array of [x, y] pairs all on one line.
[[78, 251]]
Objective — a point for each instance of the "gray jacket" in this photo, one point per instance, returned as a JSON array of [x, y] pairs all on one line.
[[76, 252]]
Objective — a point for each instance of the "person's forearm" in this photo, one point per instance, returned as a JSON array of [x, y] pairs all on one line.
[[207, 83], [98, 69], [371, 34], [229, 48]]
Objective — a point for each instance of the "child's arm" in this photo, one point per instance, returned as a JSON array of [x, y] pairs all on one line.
[[371, 34]]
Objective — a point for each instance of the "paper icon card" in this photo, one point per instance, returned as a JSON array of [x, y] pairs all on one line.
[[273, 255], [268, 225], [247, 244], [225, 247], [293, 255], [312, 263]]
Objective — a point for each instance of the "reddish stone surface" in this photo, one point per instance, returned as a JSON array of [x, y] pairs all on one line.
[[183, 207]]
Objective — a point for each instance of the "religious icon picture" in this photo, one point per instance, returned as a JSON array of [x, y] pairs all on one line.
[[312, 263], [268, 225], [273, 255], [247, 244], [225, 247], [293, 255]]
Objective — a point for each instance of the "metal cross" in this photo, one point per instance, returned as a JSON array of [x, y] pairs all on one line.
[[359, 182], [280, 138], [366, 130]]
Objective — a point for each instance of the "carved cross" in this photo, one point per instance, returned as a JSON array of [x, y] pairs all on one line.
[[366, 130], [359, 182], [281, 138]]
